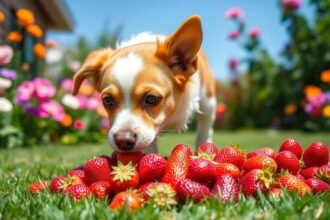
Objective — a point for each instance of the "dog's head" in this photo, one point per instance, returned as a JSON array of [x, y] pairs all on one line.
[[142, 85]]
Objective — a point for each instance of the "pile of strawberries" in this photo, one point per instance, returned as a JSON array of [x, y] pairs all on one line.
[[136, 179]]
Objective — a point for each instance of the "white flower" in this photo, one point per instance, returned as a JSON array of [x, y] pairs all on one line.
[[5, 83], [70, 101], [5, 105]]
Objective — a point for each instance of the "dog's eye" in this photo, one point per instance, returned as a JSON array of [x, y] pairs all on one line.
[[151, 100], [109, 102]]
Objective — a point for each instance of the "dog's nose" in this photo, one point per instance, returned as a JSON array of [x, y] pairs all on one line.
[[125, 140]]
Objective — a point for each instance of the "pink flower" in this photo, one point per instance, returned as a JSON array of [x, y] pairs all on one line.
[[79, 124], [6, 54], [234, 34], [234, 12], [51, 109], [67, 85], [291, 4], [44, 89], [82, 101], [92, 103], [74, 65], [233, 63], [254, 32], [25, 91], [105, 123]]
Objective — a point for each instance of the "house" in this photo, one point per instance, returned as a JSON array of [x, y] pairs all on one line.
[[50, 15]]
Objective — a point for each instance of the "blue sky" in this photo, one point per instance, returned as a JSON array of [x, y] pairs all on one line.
[[165, 16]]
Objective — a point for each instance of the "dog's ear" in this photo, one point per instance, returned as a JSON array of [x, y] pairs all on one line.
[[91, 68], [180, 49]]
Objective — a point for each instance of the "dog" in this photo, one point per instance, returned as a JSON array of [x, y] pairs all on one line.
[[152, 84]]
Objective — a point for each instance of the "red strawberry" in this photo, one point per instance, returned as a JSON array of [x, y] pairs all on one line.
[[201, 170], [324, 173], [123, 177], [97, 169], [301, 177], [309, 172], [79, 173], [227, 168], [226, 188], [78, 191], [259, 162], [162, 195], [276, 192], [101, 189], [256, 179], [206, 150], [39, 186], [143, 189], [188, 189], [266, 151], [133, 157], [317, 154], [57, 184], [286, 160], [293, 146], [152, 167], [230, 154], [131, 199], [177, 165], [317, 185], [293, 184]]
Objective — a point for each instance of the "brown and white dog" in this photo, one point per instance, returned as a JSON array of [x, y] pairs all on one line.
[[151, 84]]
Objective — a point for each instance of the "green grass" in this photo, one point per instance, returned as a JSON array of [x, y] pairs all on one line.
[[20, 167]]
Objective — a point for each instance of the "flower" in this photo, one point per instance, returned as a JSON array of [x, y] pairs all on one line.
[[4, 83], [34, 30], [40, 51], [326, 111], [312, 91], [2, 16], [105, 123], [233, 63], [290, 109], [24, 17], [51, 109], [79, 124], [234, 12], [44, 89], [325, 76], [14, 37], [86, 89], [74, 65], [5, 105], [92, 103], [254, 32], [25, 91], [66, 121], [291, 4], [67, 85], [220, 110], [234, 34], [315, 105], [8, 73], [6, 54], [51, 43], [70, 101]]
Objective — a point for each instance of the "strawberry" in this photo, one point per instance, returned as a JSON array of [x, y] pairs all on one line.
[[79, 173], [293, 184], [133, 157], [97, 169], [256, 179], [225, 188], [227, 168], [130, 198], [317, 154], [101, 189], [152, 167], [301, 177], [191, 190], [317, 185], [143, 189], [113, 159], [39, 186], [230, 154], [309, 172], [259, 162], [162, 195], [293, 146], [286, 160], [177, 165], [57, 184], [324, 173], [123, 177], [78, 191], [206, 150], [201, 170], [276, 192], [266, 151]]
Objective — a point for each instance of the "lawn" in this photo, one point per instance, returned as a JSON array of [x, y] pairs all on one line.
[[20, 167]]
